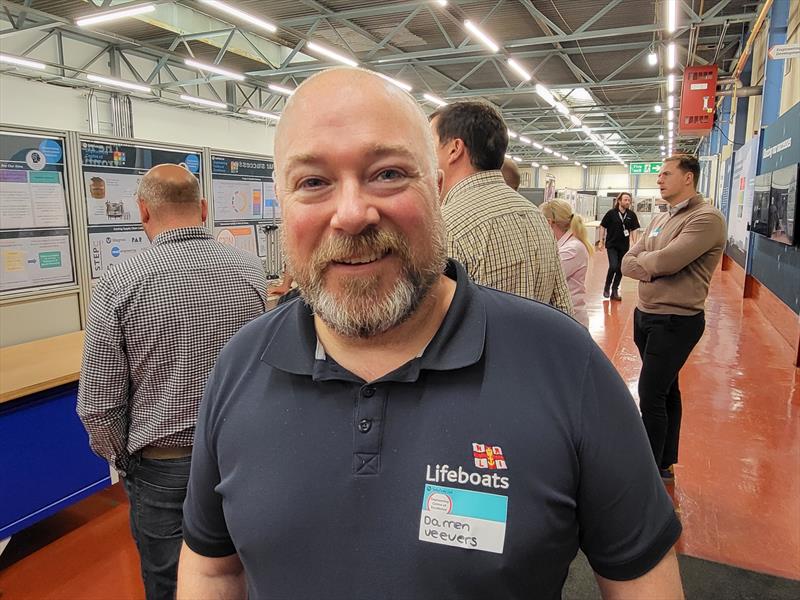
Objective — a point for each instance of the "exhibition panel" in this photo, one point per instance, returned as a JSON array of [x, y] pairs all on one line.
[[35, 244], [111, 171]]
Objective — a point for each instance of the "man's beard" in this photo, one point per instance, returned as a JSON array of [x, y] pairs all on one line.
[[361, 308]]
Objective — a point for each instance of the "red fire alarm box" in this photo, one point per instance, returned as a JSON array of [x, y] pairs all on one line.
[[698, 99]]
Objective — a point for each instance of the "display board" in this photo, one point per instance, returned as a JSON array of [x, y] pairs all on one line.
[[111, 174], [35, 240], [741, 200], [246, 212]]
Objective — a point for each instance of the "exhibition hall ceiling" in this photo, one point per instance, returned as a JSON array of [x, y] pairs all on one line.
[[594, 57]]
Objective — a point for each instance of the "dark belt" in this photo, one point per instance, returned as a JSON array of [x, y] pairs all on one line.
[[166, 452]]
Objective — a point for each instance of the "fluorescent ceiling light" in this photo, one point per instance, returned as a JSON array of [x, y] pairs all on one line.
[[113, 15], [545, 94], [671, 56], [239, 14], [564, 157], [584, 166], [524, 140], [507, 155], [652, 59], [670, 115], [118, 83], [263, 115], [672, 15], [442, 2], [519, 69], [670, 101], [557, 154], [547, 150], [661, 136], [512, 134], [280, 89], [213, 69], [663, 147], [545, 167], [577, 164], [670, 83], [575, 120], [516, 159], [670, 125], [398, 83], [203, 101], [487, 41], [657, 108], [22, 62], [586, 130], [560, 107], [535, 165], [434, 99], [331, 54], [537, 145]]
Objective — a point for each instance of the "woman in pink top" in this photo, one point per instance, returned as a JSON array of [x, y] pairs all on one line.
[[573, 250]]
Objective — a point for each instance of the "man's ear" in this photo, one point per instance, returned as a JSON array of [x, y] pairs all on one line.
[[439, 182], [203, 209], [456, 151], [143, 210]]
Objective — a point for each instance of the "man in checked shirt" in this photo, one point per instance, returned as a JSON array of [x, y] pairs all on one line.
[[156, 324], [501, 238]]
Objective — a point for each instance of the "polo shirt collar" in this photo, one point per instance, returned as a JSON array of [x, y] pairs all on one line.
[[691, 200], [181, 234], [476, 180], [458, 343]]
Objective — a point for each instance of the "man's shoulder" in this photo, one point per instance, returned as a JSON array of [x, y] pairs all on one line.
[[258, 333], [475, 207]]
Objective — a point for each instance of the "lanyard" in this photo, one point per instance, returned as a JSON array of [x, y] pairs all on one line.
[[623, 217]]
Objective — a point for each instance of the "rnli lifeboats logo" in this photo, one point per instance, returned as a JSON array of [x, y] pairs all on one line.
[[488, 457]]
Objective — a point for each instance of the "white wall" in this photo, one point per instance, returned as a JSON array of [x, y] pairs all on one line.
[[162, 123], [35, 104]]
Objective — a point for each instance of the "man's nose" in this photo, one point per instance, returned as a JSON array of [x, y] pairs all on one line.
[[355, 209]]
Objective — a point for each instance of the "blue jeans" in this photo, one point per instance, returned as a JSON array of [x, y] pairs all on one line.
[[156, 490]]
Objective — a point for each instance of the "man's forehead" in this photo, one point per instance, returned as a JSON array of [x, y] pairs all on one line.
[[324, 151]]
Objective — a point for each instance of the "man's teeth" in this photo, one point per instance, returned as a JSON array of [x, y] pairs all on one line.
[[360, 261]]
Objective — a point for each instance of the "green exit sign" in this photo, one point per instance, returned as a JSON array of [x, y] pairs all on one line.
[[644, 168]]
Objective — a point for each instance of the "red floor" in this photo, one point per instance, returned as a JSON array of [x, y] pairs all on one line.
[[737, 484]]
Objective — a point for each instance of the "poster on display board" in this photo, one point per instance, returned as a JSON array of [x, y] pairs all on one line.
[[246, 212], [723, 186], [111, 174], [35, 246], [741, 200]]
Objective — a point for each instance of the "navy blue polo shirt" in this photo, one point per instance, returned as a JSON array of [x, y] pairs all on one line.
[[476, 470]]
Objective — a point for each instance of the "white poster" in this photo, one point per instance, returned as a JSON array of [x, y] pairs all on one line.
[[271, 207], [741, 196], [239, 236], [235, 200], [108, 248], [111, 198], [32, 199], [34, 261]]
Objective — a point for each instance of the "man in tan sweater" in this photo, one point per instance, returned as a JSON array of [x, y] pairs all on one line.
[[673, 261]]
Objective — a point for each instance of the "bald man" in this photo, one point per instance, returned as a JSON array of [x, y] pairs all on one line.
[[511, 174], [400, 431], [156, 324]]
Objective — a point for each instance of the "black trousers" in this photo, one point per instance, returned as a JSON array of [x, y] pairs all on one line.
[[664, 343], [614, 275]]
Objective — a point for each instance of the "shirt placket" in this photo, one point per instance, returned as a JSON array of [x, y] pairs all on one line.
[[369, 419]]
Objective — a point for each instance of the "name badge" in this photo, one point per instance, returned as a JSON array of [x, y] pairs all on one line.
[[625, 232], [655, 232], [463, 519]]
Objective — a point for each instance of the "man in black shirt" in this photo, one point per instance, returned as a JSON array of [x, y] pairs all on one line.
[[615, 236]]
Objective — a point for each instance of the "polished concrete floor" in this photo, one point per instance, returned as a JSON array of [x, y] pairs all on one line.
[[737, 483]]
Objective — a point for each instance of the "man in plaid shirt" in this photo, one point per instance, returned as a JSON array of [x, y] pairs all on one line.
[[500, 237], [156, 325]]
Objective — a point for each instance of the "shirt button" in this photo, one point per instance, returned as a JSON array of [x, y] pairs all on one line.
[[368, 392], [364, 425]]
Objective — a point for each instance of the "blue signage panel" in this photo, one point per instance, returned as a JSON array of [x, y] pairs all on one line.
[[781, 145]]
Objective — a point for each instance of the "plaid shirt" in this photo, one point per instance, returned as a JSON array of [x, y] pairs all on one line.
[[503, 240], [156, 324]]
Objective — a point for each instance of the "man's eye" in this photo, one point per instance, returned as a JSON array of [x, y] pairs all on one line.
[[390, 175], [311, 183]]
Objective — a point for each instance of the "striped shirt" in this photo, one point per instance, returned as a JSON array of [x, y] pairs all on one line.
[[157, 322], [503, 240]]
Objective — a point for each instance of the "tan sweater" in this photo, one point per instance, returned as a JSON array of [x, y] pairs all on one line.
[[675, 258]]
